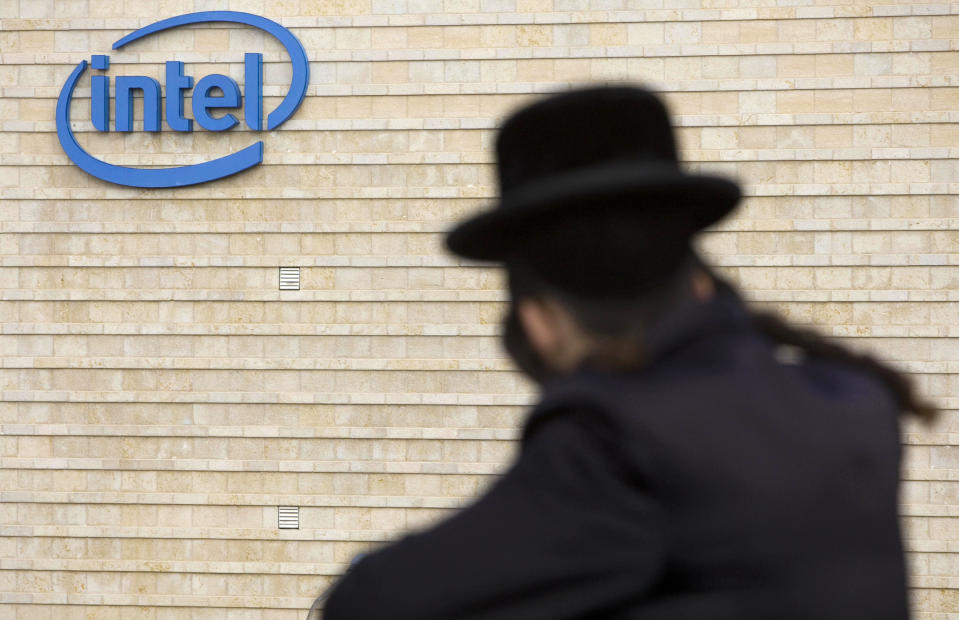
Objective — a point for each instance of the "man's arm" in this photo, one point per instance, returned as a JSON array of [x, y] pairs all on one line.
[[569, 529]]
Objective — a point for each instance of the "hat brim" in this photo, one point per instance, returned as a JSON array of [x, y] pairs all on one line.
[[682, 202]]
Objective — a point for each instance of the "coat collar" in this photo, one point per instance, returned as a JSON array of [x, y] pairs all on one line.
[[724, 311], [690, 321]]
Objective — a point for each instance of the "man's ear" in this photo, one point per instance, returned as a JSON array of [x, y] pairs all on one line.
[[541, 324], [702, 285]]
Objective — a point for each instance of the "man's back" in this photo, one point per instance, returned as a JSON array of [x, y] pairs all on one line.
[[779, 477], [721, 482]]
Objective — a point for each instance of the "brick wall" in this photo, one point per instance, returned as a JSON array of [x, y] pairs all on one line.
[[161, 397]]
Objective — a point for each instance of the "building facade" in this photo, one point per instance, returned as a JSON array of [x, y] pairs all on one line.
[[163, 397]]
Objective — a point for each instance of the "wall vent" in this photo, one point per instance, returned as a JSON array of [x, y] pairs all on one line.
[[288, 517], [289, 278]]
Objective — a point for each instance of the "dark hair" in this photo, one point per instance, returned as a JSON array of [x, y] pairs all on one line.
[[618, 326], [813, 344]]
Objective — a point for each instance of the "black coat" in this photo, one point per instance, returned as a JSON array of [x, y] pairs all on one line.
[[723, 481]]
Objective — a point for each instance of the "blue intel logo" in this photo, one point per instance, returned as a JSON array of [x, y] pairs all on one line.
[[205, 99]]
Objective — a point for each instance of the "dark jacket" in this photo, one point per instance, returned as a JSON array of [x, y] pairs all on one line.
[[728, 479]]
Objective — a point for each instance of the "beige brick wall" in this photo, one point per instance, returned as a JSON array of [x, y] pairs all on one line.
[[160, 396]]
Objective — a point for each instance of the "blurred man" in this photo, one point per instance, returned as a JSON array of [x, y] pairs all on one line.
[[687, 459]]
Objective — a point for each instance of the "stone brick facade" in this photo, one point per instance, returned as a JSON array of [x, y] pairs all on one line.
[[161, 397]]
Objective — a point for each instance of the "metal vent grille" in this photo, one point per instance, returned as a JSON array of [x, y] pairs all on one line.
[[289, 278], [288, 517]]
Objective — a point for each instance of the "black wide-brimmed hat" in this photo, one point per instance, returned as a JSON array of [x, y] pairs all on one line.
[[585, 152]]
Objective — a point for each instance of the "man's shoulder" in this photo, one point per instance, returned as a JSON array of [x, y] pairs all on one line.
[[725, 392], [737, 366]]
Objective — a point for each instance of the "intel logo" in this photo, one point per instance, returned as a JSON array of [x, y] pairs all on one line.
[[210, 93]]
